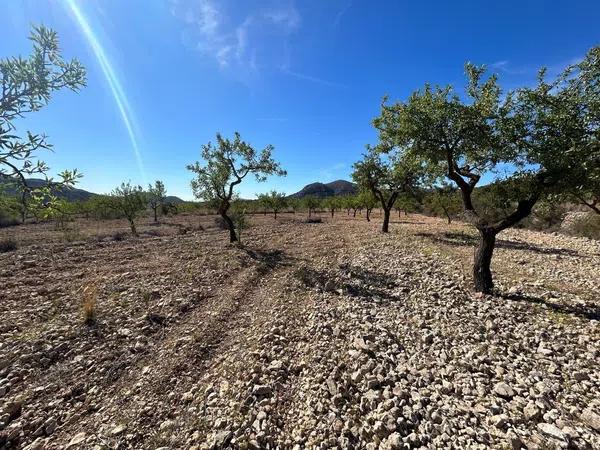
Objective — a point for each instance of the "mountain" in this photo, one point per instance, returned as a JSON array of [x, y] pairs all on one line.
[[338, 187], [70, 194]]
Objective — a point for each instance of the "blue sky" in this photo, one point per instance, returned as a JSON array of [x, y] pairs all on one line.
[[306, 76]]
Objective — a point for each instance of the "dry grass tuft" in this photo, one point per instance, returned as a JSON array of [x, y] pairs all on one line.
[[89, 294]]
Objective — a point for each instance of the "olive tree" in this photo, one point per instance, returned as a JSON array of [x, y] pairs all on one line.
[[129, 201], [548, 134], [26, 86], [226, 165], [156, 197]]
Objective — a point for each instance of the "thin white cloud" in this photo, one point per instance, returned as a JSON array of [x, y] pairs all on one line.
[[341, 13], [310, 78], [244, 43]]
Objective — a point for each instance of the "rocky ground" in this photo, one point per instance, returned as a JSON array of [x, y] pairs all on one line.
[[324, 335]]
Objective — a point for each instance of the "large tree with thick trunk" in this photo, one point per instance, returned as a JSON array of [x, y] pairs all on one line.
[[226, 165], [545, 139]]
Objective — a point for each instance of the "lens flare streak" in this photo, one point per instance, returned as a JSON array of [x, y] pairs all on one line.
[[112, 80]]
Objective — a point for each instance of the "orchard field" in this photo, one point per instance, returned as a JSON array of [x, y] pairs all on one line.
[[307, 335]]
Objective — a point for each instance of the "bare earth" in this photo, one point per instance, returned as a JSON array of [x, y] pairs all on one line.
[[314, 336]]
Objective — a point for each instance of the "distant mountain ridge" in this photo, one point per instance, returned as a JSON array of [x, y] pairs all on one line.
[[69, 194], [337, 187]]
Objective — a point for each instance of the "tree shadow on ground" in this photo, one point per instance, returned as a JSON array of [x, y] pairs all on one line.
[[463, 239], [267, 259], [350, 280], [581, 311]]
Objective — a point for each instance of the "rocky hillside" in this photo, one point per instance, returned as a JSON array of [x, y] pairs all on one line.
[[338, 187]]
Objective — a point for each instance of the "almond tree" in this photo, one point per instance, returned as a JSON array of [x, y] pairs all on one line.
[[129, 201], [444, 200], [368, 201], [156, 197], [273, 200], [386, 175], [226, 165], [26, 86], [548, 134]]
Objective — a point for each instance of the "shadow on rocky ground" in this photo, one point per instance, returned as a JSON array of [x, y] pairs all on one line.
[[464, 239], [581, 311]]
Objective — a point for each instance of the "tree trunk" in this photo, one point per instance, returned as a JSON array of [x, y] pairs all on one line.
[[232, 235], [354, 215], [386, 221], [155, 216], [133, 228], [482, 274], [275, 212], [332, 211], [309, 210], [368, 215]]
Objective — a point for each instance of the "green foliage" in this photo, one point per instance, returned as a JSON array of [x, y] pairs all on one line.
[[387, 173], [226, 166], [273, 200], [10, 210], [311, 204], [444, 200], [129, 201], [27, 85], [549, 134], [156, 196]]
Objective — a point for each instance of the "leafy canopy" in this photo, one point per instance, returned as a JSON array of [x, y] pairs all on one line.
[[227, 164], [27, 85]]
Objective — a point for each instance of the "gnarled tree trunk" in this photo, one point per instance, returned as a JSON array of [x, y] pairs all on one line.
[[232, 234], [386, 221], [482, 273]]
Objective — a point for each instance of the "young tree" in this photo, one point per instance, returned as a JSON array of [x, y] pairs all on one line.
[[386, 177], [332, 204], [368, 201], [130, 201], [26, 86], [548, 133], [444, 200], [156, 197], [273, 200], [226, 166], [311, 203]]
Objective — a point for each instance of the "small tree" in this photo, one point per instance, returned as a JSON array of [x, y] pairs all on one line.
[[368, 201], [273, 200], [156, 197], [130, 201], [226, 166], [444, 200], [26, 86], [332, 204], [311, 204], [386, 177], [549, 134]]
